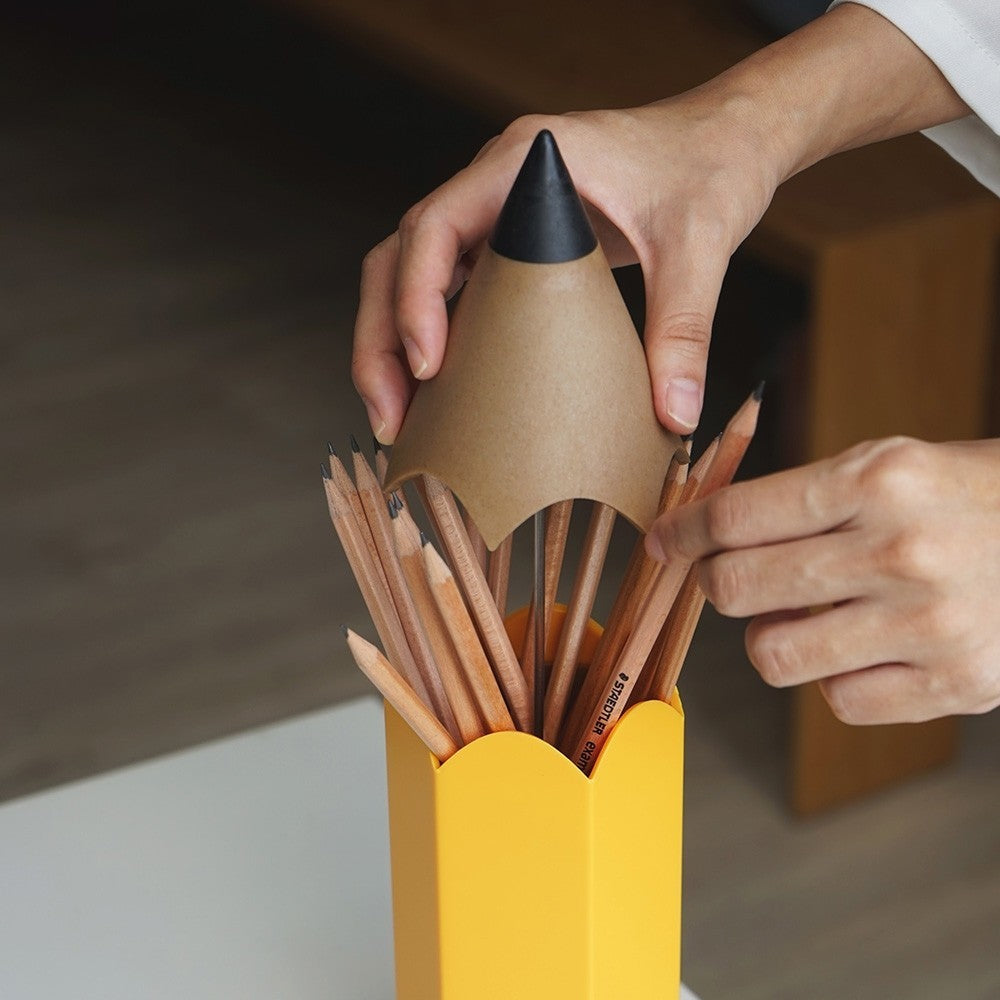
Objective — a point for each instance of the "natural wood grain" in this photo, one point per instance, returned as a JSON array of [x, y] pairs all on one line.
[[445, 658], [466, 642], [476, 541], [498, 573], [680, 484], [367, 570], [373, 501], [678, 633], [557, 521], [660, 597], [581, 603], [401, 696], [468, 571]]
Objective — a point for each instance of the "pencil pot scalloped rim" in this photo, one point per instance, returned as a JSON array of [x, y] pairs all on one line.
[[515, 876]]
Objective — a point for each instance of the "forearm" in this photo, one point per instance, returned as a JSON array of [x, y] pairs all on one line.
[[847, 79]]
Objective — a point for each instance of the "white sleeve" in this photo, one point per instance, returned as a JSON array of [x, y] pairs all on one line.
[[962, 38]]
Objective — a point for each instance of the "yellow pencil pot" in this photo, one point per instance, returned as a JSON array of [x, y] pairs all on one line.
[[516, 877]]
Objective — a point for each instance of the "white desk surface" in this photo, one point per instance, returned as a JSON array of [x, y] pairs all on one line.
[[252, 868]]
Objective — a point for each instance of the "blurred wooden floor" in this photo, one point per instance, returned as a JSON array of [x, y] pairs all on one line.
[[181, 238]]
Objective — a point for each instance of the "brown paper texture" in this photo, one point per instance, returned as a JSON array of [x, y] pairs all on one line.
[[543, 396]]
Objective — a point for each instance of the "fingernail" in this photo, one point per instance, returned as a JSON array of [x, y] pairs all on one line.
[[418, 363], [376, 422], [653, 547], [683, 401]]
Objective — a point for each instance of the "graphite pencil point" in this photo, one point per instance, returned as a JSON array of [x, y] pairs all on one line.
[[325, 470], [393, 509], [345, 630], [330, 449], [355, 447], [377, 444], [423, 540], [758, 392]]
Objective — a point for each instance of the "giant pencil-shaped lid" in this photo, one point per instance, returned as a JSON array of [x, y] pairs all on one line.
[[543, 394]]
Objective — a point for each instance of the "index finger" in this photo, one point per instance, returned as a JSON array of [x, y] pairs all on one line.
[[381, 378], [433, 235], [796, 503]]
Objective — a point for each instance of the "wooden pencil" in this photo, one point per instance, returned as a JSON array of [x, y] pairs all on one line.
[[377, 512], [691, 599], [348, 490], [472, 657], [557, 521], [401, 696], [419, 484], [670, 493], [643, 686], [678, 632], [612, 637], [681, 481], [371, 581], [406, 517], [476, 540], [498, 573], [444, 512], [456, 688], [660, 597], [581, 604]]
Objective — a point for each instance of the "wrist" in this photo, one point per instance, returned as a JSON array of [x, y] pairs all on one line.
[[849, 78]]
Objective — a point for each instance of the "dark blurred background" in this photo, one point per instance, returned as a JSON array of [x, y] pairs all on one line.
[[186, 193]]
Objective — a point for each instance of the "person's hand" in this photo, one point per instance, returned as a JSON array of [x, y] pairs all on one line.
[[876, 573], [675, 186]]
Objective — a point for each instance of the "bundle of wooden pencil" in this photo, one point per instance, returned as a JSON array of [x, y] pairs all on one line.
[[449, 667]]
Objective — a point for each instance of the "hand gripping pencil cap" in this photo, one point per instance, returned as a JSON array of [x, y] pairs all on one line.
[[543, 394]]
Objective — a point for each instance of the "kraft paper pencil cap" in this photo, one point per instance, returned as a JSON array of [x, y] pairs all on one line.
[[543, 394]]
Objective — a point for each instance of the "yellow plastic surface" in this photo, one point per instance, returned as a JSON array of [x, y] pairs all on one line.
[[516, 877]]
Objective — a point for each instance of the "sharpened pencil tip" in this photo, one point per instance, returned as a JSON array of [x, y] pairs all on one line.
[[330, 450], [397, 500], [325, 471], [424, 540], [393, 509], [346, 631], [758, 392], [355, 447], [376, 444]]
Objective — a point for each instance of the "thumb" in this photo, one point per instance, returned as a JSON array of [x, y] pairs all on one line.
[[681, 296]]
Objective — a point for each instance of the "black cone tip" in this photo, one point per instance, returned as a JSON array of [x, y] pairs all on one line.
[[543, 220]]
